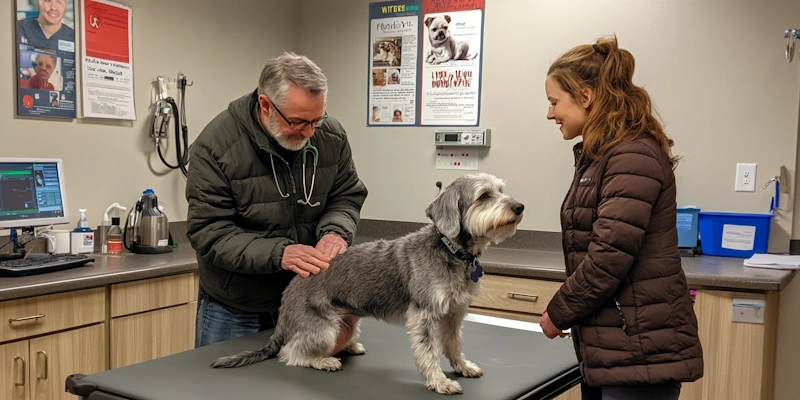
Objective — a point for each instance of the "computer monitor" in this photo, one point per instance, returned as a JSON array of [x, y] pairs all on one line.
[[32, 192]]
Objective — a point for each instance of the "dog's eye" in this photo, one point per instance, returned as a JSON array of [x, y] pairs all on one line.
[[485, 196]]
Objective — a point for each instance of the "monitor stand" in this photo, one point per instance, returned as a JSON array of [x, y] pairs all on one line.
[[18, 251]]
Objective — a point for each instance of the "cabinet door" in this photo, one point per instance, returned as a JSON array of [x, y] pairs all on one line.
[[146, 336], [14, 377], [54, 357]]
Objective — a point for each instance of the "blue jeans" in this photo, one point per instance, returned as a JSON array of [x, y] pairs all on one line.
[[217, 322]]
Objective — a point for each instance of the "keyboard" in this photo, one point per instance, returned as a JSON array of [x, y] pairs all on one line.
[[42, 263]]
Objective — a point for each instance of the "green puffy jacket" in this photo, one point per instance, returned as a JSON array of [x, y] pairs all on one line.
[[239, 224]]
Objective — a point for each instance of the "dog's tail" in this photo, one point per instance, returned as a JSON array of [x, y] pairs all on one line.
[[250, 357]]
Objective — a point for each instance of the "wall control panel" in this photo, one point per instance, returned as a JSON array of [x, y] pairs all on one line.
[[463, 137]]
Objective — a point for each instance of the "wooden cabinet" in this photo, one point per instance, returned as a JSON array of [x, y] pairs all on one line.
[[739, 356], [152, 318], [46, 338]]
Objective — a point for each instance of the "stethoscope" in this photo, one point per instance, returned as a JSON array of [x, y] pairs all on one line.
[[303, 153]]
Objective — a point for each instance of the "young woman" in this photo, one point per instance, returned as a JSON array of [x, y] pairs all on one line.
[[626, 299]]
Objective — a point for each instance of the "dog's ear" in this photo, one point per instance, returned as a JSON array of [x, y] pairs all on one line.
[[428, 21], [447, 18], [445, 214]]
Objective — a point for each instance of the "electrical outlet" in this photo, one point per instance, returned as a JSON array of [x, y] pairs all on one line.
[[456, 158], [745, 177]]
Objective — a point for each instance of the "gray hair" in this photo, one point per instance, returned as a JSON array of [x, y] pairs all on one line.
[[287, 70]]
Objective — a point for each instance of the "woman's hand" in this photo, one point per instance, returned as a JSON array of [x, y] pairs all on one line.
[[548, 328]]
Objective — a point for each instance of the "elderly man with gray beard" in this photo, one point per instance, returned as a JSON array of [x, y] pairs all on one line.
[[272, 193]]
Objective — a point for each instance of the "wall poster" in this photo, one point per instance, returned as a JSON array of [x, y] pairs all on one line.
[[425, 59], [45, 58]]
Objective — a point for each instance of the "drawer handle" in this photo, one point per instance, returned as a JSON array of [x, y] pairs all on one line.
[[12, 320], [45, 365], [22, 371], [523, 296]]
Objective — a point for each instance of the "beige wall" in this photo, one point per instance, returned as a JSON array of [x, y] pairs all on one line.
[[221, 49], [715, 70]]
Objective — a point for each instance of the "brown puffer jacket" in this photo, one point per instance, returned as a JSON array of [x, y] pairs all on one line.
[[626, 298]]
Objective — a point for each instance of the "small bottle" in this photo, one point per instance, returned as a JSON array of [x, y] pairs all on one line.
[[112, 240], [82, 239]]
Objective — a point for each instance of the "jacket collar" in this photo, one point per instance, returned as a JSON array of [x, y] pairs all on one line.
[[577, 152]]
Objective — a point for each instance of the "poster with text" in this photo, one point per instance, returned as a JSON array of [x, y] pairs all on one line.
[[107, 68], [451, 42], [393, 51], [45, 58]]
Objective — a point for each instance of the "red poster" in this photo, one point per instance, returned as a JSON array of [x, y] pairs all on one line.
[[107, 31]]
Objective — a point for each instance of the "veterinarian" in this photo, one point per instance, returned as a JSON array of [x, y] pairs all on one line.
[[273, 193], [626, 299]]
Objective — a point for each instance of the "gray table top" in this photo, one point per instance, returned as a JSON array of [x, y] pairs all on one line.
[[515, 361]]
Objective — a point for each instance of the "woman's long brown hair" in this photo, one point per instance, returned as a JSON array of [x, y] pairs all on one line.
[[620, 109]]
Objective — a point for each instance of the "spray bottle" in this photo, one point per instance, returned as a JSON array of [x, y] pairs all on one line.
[[112, 237]]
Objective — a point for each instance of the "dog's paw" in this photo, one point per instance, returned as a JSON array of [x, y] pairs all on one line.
[[327, 364], [469, 370], [355, 349], [445, 386]]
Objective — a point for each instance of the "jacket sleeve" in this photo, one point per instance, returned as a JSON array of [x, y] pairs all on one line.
[[210, 222], [630, 186], [343, 208]]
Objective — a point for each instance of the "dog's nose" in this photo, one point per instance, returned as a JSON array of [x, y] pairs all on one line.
[[518, 208]]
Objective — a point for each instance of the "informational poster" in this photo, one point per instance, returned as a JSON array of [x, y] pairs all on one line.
[[107, 69], [394, 27], [452, 40], [45, 58], [425, 59]]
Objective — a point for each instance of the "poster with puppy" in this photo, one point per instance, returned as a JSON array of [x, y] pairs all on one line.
[[450, 68], [394, 54]]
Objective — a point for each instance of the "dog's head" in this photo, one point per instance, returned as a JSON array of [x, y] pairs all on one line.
[[476, 205], [438, 28]]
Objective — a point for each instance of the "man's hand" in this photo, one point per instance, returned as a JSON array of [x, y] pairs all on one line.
[[304, 260], [332, 245], [548, 328]]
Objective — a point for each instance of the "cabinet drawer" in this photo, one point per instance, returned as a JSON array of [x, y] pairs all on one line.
[[516, 294], [42, 314], [151, 294]]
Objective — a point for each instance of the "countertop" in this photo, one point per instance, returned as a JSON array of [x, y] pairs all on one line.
[[702, 271]]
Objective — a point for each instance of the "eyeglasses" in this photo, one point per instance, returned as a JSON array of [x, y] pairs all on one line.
[[299, 125]]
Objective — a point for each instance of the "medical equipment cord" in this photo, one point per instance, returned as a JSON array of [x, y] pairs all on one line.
[[181, 132]]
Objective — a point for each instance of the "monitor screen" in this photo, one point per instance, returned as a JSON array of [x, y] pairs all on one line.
[[32, 193]]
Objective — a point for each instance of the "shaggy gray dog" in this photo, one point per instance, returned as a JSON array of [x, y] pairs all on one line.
[[424, 281]]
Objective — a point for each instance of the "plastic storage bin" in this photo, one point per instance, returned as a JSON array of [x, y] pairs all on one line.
[[687, 226], [734, 234]]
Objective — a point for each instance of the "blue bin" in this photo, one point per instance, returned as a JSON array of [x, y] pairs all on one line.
[[687, 226], [734, 234]]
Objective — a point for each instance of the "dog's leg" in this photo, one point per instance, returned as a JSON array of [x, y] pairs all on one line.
[[452, 341], [354, 347], [313, 348], [422, 331]]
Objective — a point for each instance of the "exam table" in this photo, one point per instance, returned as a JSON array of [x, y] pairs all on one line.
[[518, 362]]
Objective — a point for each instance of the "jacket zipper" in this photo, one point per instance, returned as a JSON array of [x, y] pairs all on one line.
[[619, 310]]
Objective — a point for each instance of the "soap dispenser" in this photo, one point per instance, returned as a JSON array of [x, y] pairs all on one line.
[[82, 237]]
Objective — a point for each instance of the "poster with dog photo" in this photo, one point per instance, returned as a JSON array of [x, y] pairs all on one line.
[[450, 68], [45, 58], [393, 59]]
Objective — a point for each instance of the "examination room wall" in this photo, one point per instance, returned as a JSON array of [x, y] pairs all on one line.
[[219, 47], [715, 69]]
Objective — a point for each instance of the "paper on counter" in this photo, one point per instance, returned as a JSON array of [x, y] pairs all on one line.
[[773, 261]]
